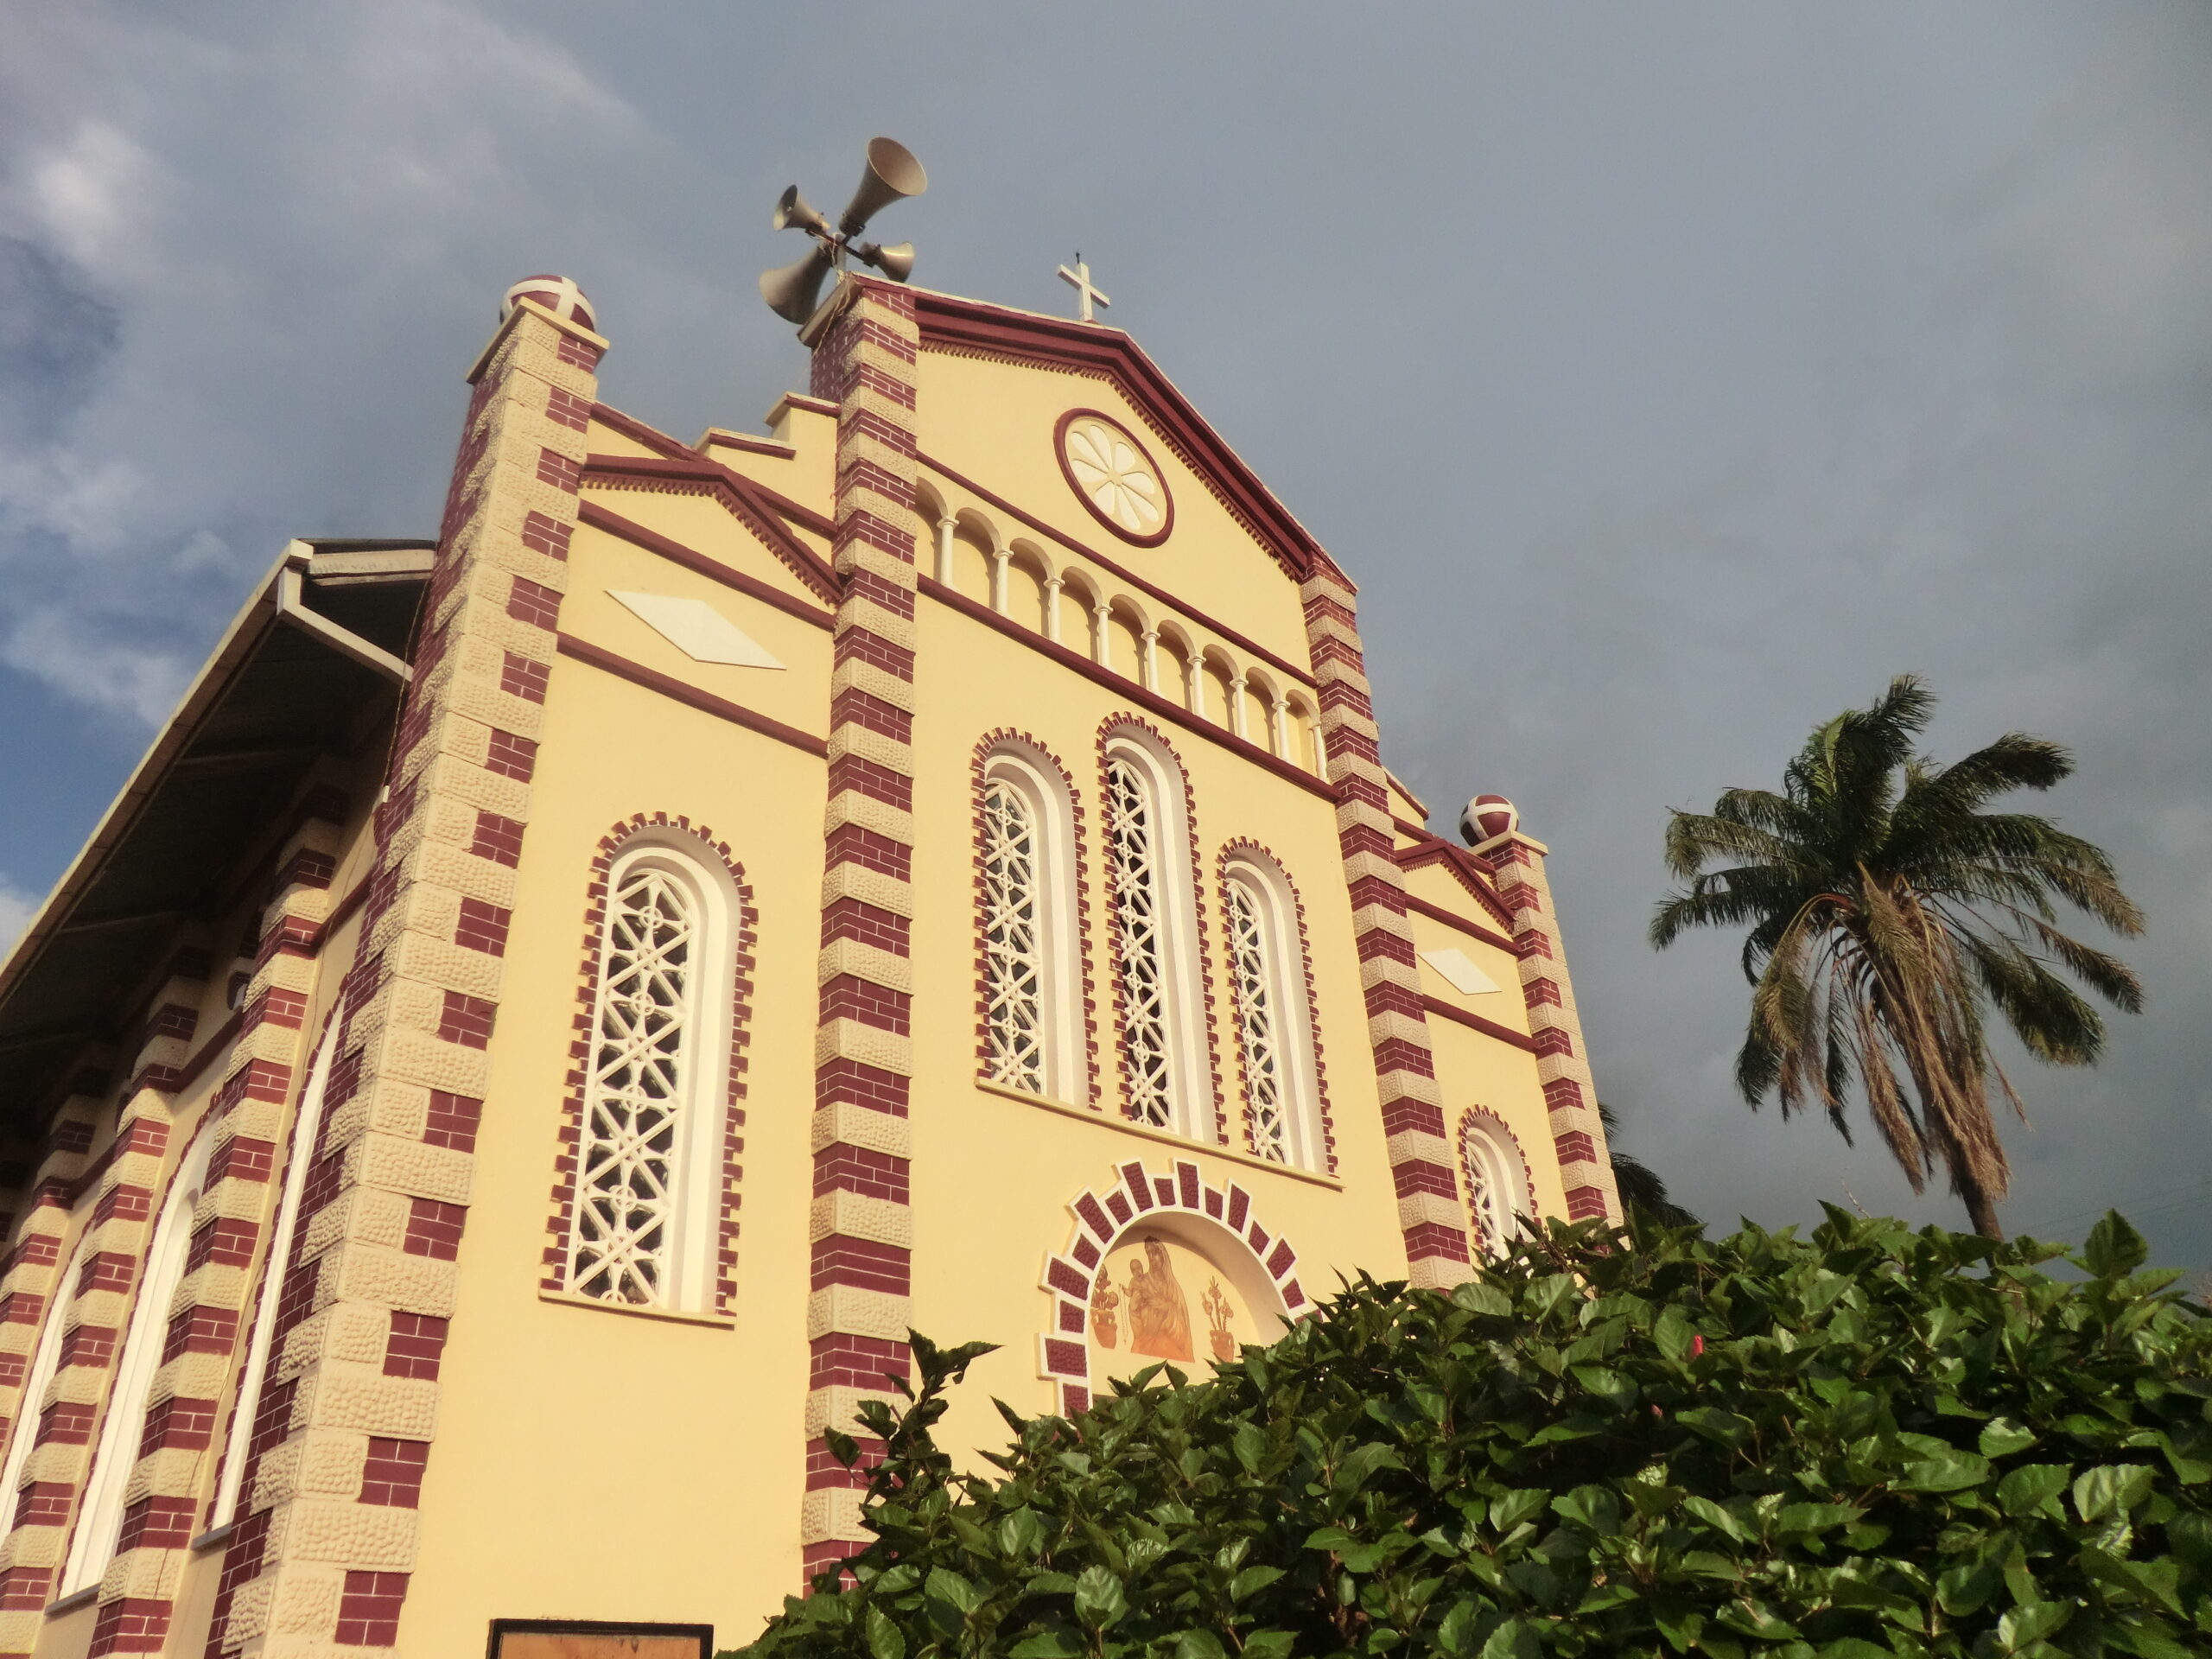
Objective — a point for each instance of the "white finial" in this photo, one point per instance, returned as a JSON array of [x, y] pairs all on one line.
[[1079, 280]]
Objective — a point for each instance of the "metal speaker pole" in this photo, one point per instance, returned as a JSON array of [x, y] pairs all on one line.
[[793, 290], [891, 172]]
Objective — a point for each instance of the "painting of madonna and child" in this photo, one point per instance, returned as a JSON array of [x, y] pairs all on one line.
[[1157, 1299]]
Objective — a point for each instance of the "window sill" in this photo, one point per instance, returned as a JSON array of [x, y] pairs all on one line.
[[72, 1602], [672, 1315], [1145, 1131], [213, 1537]]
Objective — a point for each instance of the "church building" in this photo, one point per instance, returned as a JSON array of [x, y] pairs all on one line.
[[564, 998]]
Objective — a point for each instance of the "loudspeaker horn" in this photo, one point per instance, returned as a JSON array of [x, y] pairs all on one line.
[[891, 172], [793, 290], [794, 211], [896, 262]]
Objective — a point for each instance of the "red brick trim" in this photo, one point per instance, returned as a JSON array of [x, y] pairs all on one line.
[[1242, 846], [1136, 1198], [690, 695], [737, 494], [1151, 702], [992, 743], [1443, 1010], [1465, 869], [1120, 573], [627, 530], [562, 1218], [1113, 725], [1462, 924], [1483, 1118]]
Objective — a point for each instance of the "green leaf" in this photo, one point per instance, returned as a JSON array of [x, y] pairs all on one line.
[[1461, 1629], [1955, 1472], [1250, 1447], [1510, 1510], [1021, 1534], [843, 1447], [947, 1590], [2033, 1489], [2003, 1437], [1476, 1297], [2110, 1489], [1099, 1600], [1515, 1639], [2114, 1249], [1197, 1645], [1674, 1333], [1716, 1517], [2032, 1623], [1052, 1643], [1594, 1508], [1252, 1580], [1269, 1644], [885, 1640]]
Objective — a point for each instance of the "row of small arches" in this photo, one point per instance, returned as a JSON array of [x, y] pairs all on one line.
[[1069, 606]]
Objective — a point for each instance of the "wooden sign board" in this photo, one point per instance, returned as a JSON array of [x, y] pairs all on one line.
[[546, 1638]]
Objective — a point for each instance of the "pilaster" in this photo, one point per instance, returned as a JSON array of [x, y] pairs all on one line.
[[1421, 1165], [325, 1542], [860, 1231]]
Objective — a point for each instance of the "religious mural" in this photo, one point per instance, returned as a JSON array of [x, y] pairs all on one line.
[[1155, 1299]]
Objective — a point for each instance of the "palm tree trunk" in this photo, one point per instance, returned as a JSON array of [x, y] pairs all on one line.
[[1980, 1209]]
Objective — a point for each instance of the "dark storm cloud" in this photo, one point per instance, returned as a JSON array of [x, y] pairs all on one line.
[[1669, 380]]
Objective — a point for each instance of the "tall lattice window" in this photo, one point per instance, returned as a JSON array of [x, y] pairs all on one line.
[[1014, 942], [1030, 956], [1133, 823], [655, 1099], [1496, 1182], [1166, 1079], [1274, 1038]]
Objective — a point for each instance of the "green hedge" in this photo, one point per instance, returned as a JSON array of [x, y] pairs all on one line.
[[1872, 1441]]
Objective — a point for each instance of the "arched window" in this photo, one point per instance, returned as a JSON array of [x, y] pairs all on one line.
[[644, 1228], [1154, 938], [93, 1544], [1274, 1018], [1496, 1179], [1031, 966]]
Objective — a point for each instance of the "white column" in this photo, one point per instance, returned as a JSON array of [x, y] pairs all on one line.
[[1199, 678], [1053, 609], [1102, 647], [1239, 723], [1150, 678], [945, 527], [1000, 560], [1282, 729]]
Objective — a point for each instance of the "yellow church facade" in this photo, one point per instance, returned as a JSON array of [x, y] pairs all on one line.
[[564, 998]]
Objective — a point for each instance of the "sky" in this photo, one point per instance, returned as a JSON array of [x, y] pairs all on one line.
[[1667, 377]]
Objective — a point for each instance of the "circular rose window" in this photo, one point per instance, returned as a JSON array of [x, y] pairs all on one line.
[[1116, 476]]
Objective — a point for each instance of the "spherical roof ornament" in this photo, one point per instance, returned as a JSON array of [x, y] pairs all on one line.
[[558, 295], [1487, 817]]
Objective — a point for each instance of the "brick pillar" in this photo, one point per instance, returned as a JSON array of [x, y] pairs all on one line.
[[264, 1069], [861, 1226], [1430, 1214], [87, 1313], [28, 1297], [1578, 1136], [325, 1542]]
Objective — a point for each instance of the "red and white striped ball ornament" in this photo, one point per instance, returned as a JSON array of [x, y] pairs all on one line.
[[1487, 817], [558, 295]]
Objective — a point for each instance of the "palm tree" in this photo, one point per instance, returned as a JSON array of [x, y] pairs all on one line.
[[1887, 912]]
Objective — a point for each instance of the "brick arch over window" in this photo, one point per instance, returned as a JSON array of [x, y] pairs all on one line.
[[704, 844], [1243, 847], [1153, 738], [1029, 748], [1262, 1262], [1481, 1121]]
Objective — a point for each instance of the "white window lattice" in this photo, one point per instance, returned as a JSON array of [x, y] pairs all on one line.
[[1491, 1200], [1013, 964], [1133, 833], [626, 1226], [1257, 1024]]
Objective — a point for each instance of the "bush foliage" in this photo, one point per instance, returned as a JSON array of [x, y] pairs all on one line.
[[1872, 1441]]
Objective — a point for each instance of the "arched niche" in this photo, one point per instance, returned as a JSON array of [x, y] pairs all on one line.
[[1190, 1220]]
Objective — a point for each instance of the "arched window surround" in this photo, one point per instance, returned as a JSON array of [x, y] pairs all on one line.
[[1193, 1059], [1494, 1172], [115, 1456], [1247, 864], [704, 1280], [1070, 1071]]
